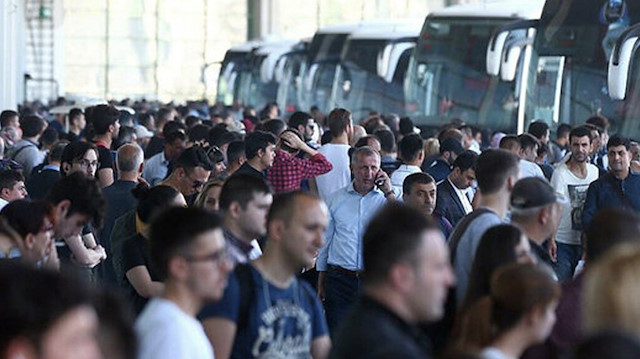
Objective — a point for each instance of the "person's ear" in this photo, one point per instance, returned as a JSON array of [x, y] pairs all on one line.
[[62, 208], [29, 241], [66, 167], [178, 268], [402, 277]]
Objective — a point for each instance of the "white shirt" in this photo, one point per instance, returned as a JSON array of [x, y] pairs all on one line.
[[530, 169], [340, 175], [462, 195], [3, 202], [574, 189], [398, 176], [165, 331], [492, 353]]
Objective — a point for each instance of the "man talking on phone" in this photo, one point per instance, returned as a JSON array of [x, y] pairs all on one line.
[[339, 262]]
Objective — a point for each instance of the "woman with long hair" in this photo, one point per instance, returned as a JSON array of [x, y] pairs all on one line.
[[518, 313]]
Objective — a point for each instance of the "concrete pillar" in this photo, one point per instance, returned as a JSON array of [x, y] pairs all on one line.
[[12, 49]]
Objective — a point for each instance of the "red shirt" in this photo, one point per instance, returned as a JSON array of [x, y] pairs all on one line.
[[288, 171]]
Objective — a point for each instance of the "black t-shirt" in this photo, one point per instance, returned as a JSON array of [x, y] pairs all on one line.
[[135, 252], [104, 157]]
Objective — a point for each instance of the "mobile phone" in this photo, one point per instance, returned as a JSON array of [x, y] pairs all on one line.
[[379, 181]]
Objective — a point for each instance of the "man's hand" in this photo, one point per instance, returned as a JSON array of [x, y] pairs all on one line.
[[553, 249]]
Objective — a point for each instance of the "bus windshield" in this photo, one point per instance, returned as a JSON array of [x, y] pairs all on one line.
[[567, 82], [319, 70], [357, 85], [447, 79]]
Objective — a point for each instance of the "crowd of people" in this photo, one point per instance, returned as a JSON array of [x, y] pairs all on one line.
[[202, 232]]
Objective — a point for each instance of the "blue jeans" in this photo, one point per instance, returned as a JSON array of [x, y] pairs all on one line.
[[341, 292], [568, 256]]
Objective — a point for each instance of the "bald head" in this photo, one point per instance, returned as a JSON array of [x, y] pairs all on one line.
[[129, 158]]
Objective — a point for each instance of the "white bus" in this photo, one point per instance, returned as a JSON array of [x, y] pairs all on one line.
[[372, 67], [566, 71], [447, 75]]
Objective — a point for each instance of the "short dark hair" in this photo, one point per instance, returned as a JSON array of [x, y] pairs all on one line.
[[193, 157], [387, 140], [75, 151], [393, 235], [600, 121], [103, 116], [299, 118], [56, 152], [538, 128], [493, 168], [9, 178], [275, 127], [563, 130], [6, 116], [610, 227], [172, 137], [617, 140], [173, 126], [509, 142], [191, 121], [235, 151], [527, 141], [32, 125], [152, 200], [466, 160], [33, 300], [410, 147], [75, 112], [284, 205], [241, 188], [406, 126], [416, 178], [49, 136], [257, 140], [27, 217], [198, 133], [580, 131], [338, 121], [84, 194], [174, 231], [162, 117]]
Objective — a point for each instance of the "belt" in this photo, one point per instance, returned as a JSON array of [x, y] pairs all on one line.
[[350, 273]]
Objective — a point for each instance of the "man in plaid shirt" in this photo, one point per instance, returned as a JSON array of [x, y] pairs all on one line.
[[288, 170]]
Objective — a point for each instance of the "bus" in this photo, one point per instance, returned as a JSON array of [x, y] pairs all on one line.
[[565, 78], [447, 75], [623, 79], [288, 74], [373, 63], [234, 63], [259, 85], [319, 68]]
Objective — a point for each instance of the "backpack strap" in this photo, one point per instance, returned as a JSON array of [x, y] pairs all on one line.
[[15, 154], [461, 228], [247, 292]]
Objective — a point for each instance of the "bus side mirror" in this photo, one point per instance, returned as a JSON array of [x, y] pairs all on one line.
[[502, 40], [620, 63], [511, 57], [494, 52]]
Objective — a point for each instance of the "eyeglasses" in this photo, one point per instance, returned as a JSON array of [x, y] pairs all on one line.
[[218, 257], [86, 163], [196, 184]]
